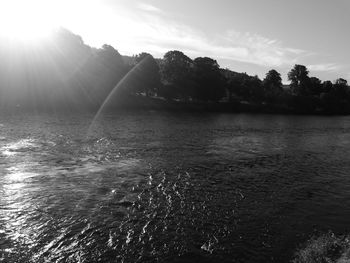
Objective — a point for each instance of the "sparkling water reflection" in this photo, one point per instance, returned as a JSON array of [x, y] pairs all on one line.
[[161, 187]]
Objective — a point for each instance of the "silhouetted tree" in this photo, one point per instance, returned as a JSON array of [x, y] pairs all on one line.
[[336, 100], [341, 89], [103, 72], [145, 77], [256, 91], [233, 83], [111, 58], [315, 86], [327, 86], [249, 88], [177, 73], [240, 84], [209, 81], [341, 82], [68, 50], [299, 80], [272, 86]]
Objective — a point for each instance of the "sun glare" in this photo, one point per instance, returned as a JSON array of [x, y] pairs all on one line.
[[26, 20], [34, 20]]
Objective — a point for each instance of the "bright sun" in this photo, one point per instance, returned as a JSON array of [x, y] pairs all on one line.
[[26, 20], [31, 21], [34, 20]]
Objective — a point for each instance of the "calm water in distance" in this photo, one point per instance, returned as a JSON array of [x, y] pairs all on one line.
[[166, 187]]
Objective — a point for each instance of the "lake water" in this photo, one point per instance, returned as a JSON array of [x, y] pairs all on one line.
[[165, 187]]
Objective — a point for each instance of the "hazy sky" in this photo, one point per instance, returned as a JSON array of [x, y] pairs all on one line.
[[250, 36]]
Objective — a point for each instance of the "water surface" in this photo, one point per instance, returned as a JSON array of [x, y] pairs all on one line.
[[165, 187]]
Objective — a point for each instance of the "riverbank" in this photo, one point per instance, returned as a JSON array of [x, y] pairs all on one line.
[[140, 102], [127, 102]]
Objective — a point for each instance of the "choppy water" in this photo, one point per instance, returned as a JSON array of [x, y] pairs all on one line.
[[161, 187]]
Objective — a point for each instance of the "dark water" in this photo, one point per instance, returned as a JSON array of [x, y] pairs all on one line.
[[161, 187]]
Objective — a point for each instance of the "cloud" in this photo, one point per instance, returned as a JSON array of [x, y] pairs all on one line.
[[147, 28], [149, 8], [258, 49], [155, 32], [327, 67], [232, 45]]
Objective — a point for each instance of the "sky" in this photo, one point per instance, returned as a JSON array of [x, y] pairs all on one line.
[[250, 36]]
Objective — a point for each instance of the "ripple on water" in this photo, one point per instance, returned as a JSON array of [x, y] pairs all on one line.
[[173, 217], [39, 188], [170, 188]]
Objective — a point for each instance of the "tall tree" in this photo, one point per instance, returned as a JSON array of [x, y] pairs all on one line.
[[241, 85], [272, 85], [233, 83], [177, 73], [145, 76], [111, 58], [255, 89], [209, 80], [273, 79], [341, 88], [103, 73], [299, 80], [315, 86], [327, 86], [337, 99]]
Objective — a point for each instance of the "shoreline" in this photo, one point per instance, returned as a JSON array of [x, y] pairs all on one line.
[[141, 103]]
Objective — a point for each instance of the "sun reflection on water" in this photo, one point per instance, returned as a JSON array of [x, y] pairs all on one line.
[[19, 173], [13, 148]]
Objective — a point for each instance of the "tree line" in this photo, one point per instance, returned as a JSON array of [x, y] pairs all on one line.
[[202, 79], [65, 73]]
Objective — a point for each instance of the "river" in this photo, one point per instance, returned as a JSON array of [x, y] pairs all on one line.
[[170, 187]]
